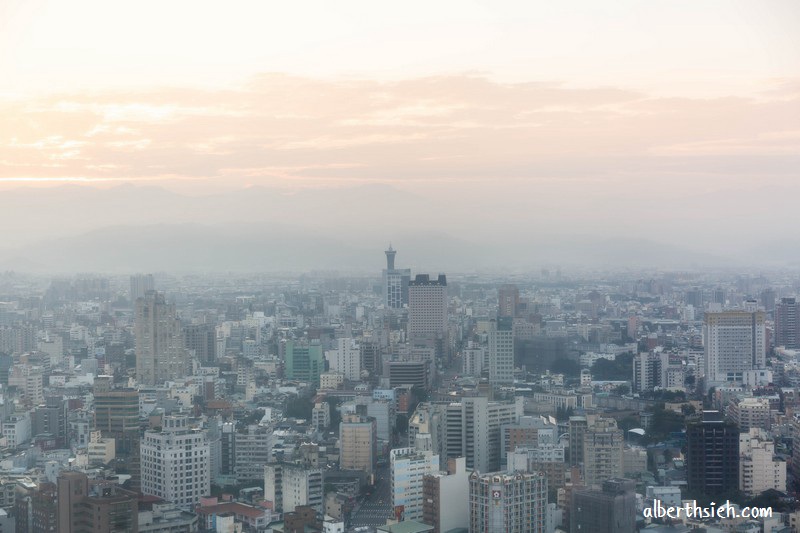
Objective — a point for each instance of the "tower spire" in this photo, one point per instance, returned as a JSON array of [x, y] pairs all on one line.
[[390, 253]]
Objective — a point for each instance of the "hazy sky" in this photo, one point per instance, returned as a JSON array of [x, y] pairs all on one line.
[[640, 117]]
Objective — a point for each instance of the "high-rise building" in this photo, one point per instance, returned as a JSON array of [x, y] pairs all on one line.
[[395, 282], [303, 361], [735, 342], [201, 341], [718, 296], [694, 297], [767, 299], [427, 311], [160, 351], [289, 485], [611, 509], [759, 468], [28, 379], [501, 351], [116, 416], [712, 457], [507, 300], [470, 428], [576, 428], [141, 284], [748, 413], [51, 419], [95, 508], [371, 357], [603, 444], [345, 359], [253, 448], [657, 369], [358, 443], [408, 468], [411, 373], [44, 509], [513, 502], [445, 497], [176, 462], [787, 323], [474, 359]]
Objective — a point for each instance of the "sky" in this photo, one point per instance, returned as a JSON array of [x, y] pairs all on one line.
[[610, 106]]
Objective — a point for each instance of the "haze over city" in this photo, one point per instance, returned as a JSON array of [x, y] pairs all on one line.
[[624, 133], [416, 267]]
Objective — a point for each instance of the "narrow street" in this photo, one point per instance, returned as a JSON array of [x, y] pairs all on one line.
[[377, 508]]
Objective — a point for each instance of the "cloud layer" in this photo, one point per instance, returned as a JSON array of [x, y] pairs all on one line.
[[283, 130]]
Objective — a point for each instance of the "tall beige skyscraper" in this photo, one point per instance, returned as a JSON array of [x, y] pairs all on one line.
[[501, 351], [602, 451], [427, 313], [735, 342], [358, 443], [161, 354], [427, 306]]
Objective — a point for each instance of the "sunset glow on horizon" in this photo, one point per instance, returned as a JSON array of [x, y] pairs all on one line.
[[314, 94]]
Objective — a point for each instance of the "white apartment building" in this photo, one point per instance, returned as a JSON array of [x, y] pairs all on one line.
[[17, 429], [321, 416], [759, 469], [288, 485], [345, 359], [408, 468], [176, 462], [750, 413], [735, 342], [474, 360]]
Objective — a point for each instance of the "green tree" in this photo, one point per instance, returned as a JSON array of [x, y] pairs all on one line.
[[336, 416], [622, 390], [299, 407], [620, 369], [663, 423], [568, 367]]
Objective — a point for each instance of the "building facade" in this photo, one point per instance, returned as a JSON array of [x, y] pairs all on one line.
[[712, 457], [408, 468], [507, 502], [735, 342], [501, 351], [176, 462], [611, 509], [160, 351]]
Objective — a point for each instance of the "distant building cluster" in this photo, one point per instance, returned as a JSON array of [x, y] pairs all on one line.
[[399, 402]]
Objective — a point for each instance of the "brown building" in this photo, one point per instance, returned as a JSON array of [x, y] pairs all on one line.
[[554, 471], [507, 300], [301, 520], [44, 512], [520, 436], [97, 508], [431, 501]]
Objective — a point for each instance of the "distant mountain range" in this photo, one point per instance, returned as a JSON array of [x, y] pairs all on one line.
[[142, 228]]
